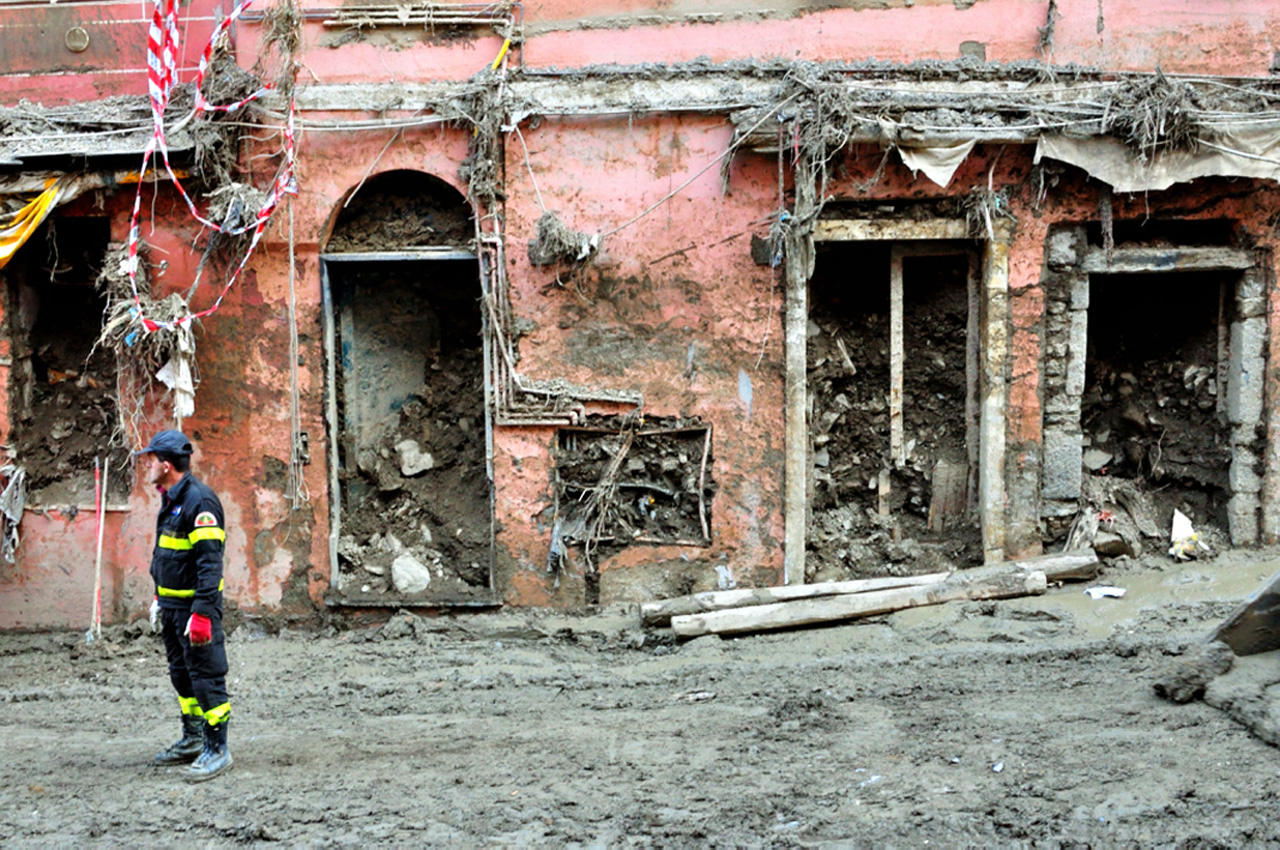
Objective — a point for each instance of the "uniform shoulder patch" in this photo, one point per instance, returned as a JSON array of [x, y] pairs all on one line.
[[205, 518]]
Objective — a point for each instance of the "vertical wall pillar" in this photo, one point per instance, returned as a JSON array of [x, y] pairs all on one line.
[[1244, 404], [1064, 347], [994, 396], [796, 323], [799, 267], [1270, 496]]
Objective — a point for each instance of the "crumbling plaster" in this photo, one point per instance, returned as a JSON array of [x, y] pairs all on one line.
[[673, 306], [680, 280], [1184, 37]]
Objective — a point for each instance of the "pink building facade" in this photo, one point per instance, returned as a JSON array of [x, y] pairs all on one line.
[[584, 302]]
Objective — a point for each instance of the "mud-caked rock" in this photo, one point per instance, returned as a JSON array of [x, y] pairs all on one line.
[[1186, 678], [409, 574]]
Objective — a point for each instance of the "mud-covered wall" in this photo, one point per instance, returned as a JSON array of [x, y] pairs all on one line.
[[52, 580], [1183, 36], [672, 307], [65, 53]]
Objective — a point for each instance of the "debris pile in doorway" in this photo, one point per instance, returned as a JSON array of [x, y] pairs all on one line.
[[872, 516], [61, 386], [421, 526], [399, 214], [1153, 429]]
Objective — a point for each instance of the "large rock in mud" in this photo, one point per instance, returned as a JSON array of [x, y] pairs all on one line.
[[409, 574], [1187, 677], [413, 460]]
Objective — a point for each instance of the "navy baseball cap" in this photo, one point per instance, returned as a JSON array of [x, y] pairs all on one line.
[[169, 443]]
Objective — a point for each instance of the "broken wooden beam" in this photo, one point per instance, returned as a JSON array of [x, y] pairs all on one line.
[[1064, 566], [659, 613], [1080, 565], [1001, 582]]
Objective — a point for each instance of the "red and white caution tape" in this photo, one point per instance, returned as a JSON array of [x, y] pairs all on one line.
[[162, 74]]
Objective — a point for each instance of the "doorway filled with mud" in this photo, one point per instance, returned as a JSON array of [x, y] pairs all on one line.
[[62, 398], [893, 417], [1153, 409], [414, 525]]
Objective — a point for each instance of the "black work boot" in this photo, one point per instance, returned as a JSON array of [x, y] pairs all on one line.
[[188, 747], [215, 758]]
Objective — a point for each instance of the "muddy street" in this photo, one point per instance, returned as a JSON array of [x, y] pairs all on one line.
[[1027, 721]]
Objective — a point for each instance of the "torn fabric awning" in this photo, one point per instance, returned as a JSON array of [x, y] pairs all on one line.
[[18, 227], [1250, 150], [939, 163]]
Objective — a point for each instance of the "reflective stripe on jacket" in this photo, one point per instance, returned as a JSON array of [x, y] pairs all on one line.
[[186, 564]]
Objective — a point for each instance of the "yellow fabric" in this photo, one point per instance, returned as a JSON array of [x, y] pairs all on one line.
[[184, 594], [20, 226], [167, 542], [218, 714], [190, 706], [207, 533]]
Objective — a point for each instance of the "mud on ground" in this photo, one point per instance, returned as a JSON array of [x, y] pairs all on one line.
[[1029, 722]]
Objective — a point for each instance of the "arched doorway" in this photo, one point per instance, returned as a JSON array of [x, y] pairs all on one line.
[[411, 486]]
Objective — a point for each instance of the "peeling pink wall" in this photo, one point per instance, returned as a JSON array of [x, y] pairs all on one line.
[[680, 277], [36, 63]]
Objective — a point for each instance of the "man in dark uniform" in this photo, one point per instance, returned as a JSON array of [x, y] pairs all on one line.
[[186, 567]]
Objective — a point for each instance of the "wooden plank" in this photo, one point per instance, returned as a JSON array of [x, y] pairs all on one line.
[[972, 376], [1223, 364], [988, 583], [1081, 565], [660, 613], [1064, 566], [950, 482], [1152, 260]]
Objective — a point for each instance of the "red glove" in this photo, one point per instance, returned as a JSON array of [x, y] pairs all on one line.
[[199, 629]]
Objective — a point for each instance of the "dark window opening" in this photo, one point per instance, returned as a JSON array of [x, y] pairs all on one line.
[[1150, 409], [62, 389], [1156, 232], [618, 486]]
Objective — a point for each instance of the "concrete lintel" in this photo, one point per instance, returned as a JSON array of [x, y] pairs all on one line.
[[1151, 260], [708, 89], [439, 252], [860, 230]]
